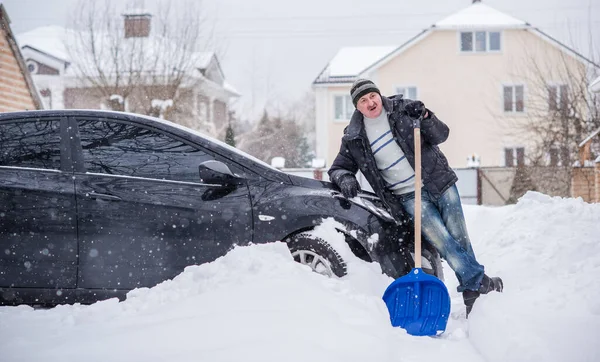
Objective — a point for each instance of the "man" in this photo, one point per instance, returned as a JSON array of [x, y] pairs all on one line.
[[379, 141]]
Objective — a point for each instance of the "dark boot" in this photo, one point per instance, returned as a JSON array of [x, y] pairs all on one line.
[[469, 297], [487, 285], [491, 284]]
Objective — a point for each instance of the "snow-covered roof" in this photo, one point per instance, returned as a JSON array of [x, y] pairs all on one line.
[[47, 39], [595, 85], [479, 15], [230, 88], [350, 61], [589, 138], [64, 43], [136, 12], [353, 60], [203, 59]]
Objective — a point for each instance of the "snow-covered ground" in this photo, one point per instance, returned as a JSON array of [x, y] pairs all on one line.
[[256, 304]]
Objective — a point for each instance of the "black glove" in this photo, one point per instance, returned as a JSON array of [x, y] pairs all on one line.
[[349, 186], [414, 109]]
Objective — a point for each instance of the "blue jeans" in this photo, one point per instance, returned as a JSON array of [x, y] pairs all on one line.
[[443, 226]]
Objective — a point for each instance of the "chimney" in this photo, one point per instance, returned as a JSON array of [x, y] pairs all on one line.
[[476, 1], [137, 23]]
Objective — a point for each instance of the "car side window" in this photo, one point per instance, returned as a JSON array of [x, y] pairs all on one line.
[[30, 143], [116, 148]]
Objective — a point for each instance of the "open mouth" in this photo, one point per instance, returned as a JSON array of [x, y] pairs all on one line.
[[373, 108]]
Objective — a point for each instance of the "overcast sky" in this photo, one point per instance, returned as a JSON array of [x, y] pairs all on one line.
[[274, 49]]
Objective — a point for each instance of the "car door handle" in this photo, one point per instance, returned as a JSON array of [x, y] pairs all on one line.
[[95, 195]]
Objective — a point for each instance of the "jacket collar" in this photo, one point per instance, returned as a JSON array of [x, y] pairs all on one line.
[[356, 127]]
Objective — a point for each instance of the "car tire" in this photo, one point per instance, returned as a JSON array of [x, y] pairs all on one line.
[[435, 261], [315, 252]]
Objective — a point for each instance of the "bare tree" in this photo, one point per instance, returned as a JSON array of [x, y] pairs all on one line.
[[559, 110], [150, 72], [561, 114], [303, 112], [277, 137], [554, 111]]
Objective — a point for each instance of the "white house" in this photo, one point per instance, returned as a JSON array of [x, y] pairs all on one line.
[[49, 54]]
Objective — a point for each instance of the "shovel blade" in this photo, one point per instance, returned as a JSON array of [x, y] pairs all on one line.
[[419, 303]]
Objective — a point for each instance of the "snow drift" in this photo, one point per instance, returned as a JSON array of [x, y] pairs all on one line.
[[256, 304]]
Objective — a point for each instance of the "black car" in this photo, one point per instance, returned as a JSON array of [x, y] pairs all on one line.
[[95, 203]]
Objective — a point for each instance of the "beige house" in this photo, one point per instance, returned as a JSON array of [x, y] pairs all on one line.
[[473, 68], [17, 90], [63, 71]]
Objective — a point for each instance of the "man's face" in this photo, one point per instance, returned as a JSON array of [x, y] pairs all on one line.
[[370, 105]]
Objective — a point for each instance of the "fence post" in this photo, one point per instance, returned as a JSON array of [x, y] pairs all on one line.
[[597, 180], [479, 192]]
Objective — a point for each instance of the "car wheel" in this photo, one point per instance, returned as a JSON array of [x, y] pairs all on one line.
[[315, 252]]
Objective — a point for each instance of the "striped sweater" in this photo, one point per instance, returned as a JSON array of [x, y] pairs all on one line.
[[391, 161]]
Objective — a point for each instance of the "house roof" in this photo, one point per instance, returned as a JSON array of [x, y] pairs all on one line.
[[48, 40], [589, 138], [350, 61], [359, 58], [33, 91], [475, 16], [62, 43], [479, 15], [137, 12], [230, 88]]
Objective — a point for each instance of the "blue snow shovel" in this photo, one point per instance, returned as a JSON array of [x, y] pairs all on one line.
[[418, 302]]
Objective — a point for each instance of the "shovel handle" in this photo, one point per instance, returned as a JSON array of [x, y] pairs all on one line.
[[417, 130]]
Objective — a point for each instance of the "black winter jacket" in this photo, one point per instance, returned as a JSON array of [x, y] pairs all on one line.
[[356, 154]]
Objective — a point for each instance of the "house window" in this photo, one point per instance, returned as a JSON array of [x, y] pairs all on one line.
[[480, 41], [466, 41], [494, 41], [558, 97], [514, 98], [343, 107], [407, 92], [514, 156]]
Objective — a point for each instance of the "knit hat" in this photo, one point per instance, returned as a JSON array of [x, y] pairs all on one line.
[[361, 87]]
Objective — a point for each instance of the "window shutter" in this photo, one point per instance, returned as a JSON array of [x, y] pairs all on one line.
[[519, 99], [564, 97], [552, 98], [520, 156], [508, 99], [509, 158]]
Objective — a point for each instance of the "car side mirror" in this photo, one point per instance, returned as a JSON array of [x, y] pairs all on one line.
[[216, 172]]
